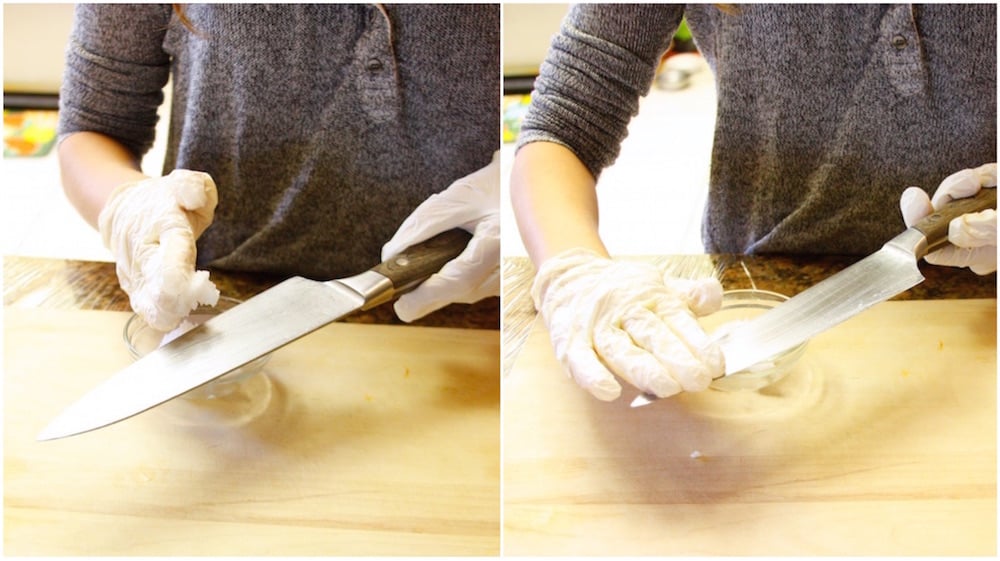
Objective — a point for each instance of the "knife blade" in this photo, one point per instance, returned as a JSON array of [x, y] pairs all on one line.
[[265, 322], [876, 278]]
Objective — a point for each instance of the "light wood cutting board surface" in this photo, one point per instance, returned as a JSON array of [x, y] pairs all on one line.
[[883, 442], [377, 440]]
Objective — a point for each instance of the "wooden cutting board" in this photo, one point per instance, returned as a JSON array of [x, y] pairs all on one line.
[[883, 442], [377, 440]]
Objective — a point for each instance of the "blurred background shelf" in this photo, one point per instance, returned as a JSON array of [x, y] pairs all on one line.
[[653, 196]]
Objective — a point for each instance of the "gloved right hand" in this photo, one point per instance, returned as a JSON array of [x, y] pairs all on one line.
[[972, 236], [608, 317], [473, 204], [151, 226]]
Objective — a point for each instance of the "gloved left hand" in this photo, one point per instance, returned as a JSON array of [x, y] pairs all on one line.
[[473, 204], [609, 318], [151, 226], [973, 236]]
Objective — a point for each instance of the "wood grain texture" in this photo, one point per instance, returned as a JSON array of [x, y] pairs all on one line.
[[378, 440], [882, 442]]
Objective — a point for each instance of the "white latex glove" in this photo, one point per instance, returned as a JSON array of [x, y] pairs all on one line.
[[151, 226], [973, 236], [608, 317], [473, 204]]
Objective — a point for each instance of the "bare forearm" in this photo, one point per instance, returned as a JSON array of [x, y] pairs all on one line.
[[555, 201], [92, 165]]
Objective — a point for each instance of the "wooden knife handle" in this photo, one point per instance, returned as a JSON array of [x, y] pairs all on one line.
[[422, 260], [935, 225]]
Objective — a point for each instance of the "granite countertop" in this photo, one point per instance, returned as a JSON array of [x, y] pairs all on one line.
[[90, 285], [783, 274], [30, 282]]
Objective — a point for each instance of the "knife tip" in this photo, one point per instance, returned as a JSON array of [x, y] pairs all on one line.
[[53, 432], [643, 400], [46, 435]]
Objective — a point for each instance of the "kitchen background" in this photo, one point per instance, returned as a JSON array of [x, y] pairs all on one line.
[[651, 198], [882, 443], [35, 217]]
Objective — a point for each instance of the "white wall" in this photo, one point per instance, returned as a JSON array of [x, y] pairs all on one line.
[[653, 196], [34, 41], [528, 29]]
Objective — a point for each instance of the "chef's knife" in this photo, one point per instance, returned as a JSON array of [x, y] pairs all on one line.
[[263, 323], [876, 278]]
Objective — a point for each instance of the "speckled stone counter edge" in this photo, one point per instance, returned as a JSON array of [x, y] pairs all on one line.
[[93, 285]]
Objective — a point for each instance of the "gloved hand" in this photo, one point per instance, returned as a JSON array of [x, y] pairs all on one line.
[[151, 226], [973, 236], [473, 204], [608, 317]]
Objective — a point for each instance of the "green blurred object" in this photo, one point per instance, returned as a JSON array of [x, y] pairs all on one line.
[[683, 33], [683, 41], [514, 108]]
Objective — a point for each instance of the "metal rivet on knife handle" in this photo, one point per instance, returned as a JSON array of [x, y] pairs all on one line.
[[422, 260]]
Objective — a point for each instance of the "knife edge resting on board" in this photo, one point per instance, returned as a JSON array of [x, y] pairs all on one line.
[[876, 278], [265, 322]]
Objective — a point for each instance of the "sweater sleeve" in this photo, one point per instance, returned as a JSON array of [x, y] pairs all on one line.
[[598, 66], [115, 72]]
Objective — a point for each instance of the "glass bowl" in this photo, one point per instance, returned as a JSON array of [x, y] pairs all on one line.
[[739, 306], [141, 339]]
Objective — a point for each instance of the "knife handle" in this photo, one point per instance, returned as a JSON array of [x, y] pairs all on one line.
[[934, 226], [419, 261]]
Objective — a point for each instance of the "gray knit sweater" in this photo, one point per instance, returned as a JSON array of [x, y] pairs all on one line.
[[323, 126], [825, 112]]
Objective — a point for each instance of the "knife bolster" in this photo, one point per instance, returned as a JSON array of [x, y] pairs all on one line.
[[375, 288], [408, 269], [911, 242]]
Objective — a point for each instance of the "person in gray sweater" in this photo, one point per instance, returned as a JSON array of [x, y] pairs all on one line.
[[304, 139], [826, 113]]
